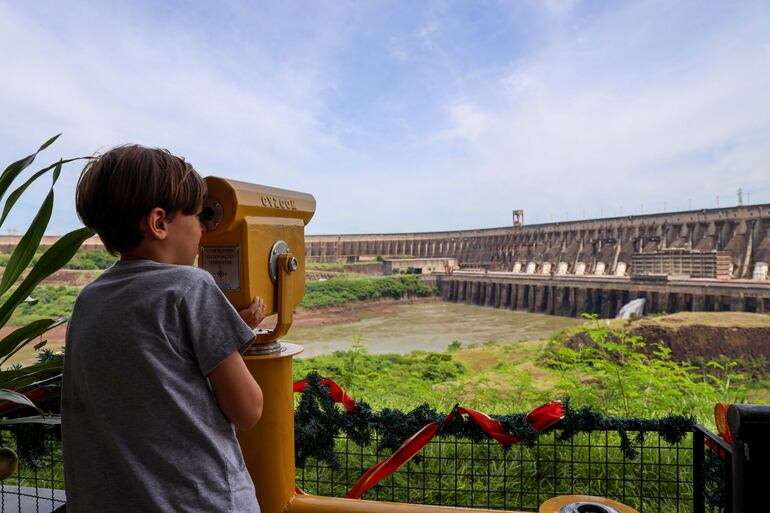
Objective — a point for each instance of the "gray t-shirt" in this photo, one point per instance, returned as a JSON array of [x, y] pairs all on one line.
[[141, 428]]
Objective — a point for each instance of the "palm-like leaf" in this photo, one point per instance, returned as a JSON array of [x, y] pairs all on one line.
[[52, 260], [38, 381], [17, 339], [13, 171], [25, 249], [14, 196], [32, 376]]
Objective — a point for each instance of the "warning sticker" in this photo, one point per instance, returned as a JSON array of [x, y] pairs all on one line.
[[224, 264]]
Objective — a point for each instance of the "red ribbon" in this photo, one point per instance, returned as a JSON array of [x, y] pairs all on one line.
[[539, 418], [336, 391], [723, 428], [402, 455], [720, 418]]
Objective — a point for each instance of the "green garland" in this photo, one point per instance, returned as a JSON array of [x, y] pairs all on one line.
[[317, 420]]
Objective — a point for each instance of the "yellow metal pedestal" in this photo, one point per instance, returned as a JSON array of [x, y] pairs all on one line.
[[268, 448], [311, 504]]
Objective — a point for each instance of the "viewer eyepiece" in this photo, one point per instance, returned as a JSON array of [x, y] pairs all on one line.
[[207, 214]]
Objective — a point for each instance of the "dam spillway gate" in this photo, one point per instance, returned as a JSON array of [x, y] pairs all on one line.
[[604, 297]]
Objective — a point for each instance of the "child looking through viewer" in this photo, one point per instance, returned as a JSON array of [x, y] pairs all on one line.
[[154, 383]]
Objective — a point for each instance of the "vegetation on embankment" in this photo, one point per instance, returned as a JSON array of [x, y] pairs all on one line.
[[338, 291], [84, 259], [57, 300], [704, 339], [51, 301], [615, 376]]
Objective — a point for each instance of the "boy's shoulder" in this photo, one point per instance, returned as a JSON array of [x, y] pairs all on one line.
[[150, 274]]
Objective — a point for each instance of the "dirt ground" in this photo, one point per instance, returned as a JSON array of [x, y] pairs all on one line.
[[346, 313], [704, 335], [71, 277]]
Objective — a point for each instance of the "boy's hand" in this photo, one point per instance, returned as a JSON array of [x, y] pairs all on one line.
[[254, 313]]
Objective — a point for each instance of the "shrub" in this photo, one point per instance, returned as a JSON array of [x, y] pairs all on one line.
[[616, 373], [339, 291]]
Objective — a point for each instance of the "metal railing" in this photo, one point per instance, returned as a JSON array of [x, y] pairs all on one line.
[[692, 476], [484, 474], [37, 487], [712, 467]]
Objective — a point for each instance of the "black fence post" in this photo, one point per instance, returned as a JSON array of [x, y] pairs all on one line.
[[698, 475], [750, 428]]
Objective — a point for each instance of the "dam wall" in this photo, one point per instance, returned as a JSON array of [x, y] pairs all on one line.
[[590, 247], [572, 296]]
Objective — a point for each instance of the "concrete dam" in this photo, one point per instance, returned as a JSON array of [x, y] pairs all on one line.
[[704, 260]]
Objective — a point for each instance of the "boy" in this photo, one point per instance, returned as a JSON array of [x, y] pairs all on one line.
[[154, 382]]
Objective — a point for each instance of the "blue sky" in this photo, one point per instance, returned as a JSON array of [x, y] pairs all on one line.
[[405, 116]]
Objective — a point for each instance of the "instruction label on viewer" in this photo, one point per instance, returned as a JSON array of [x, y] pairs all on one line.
[[224, 264]]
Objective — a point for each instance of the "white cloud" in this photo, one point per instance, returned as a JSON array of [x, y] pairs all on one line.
[[118, 84], [561, 7], [638, 103], [569, 130], [427, 32], [467, 123]]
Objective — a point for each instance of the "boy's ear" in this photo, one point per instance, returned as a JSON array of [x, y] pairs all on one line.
[[156, 224]]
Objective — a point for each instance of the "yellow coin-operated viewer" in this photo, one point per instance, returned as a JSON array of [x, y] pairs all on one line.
[[254, 245]]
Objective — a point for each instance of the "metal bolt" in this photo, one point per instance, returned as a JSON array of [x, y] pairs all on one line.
[[293, 264]]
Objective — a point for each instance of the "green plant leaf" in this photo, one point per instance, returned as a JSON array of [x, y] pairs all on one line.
[[29, 243], [15, 195], [12, 171], [15, 397], [13, 342], [31, 376], [51, 420], [52, 260]]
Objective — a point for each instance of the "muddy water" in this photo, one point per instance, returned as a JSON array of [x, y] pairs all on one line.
[[428, 327], [396, 328]]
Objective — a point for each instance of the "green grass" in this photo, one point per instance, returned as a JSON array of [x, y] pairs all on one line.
[[330, 266], [84, 259], [57, 300], [339, 291], [387, 380], [53, 301]]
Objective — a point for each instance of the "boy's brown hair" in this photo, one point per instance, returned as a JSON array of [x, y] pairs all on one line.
[[117, 189]]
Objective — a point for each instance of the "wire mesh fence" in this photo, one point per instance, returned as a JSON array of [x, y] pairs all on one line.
[[686, 477], [38, 483], [485, 474]]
